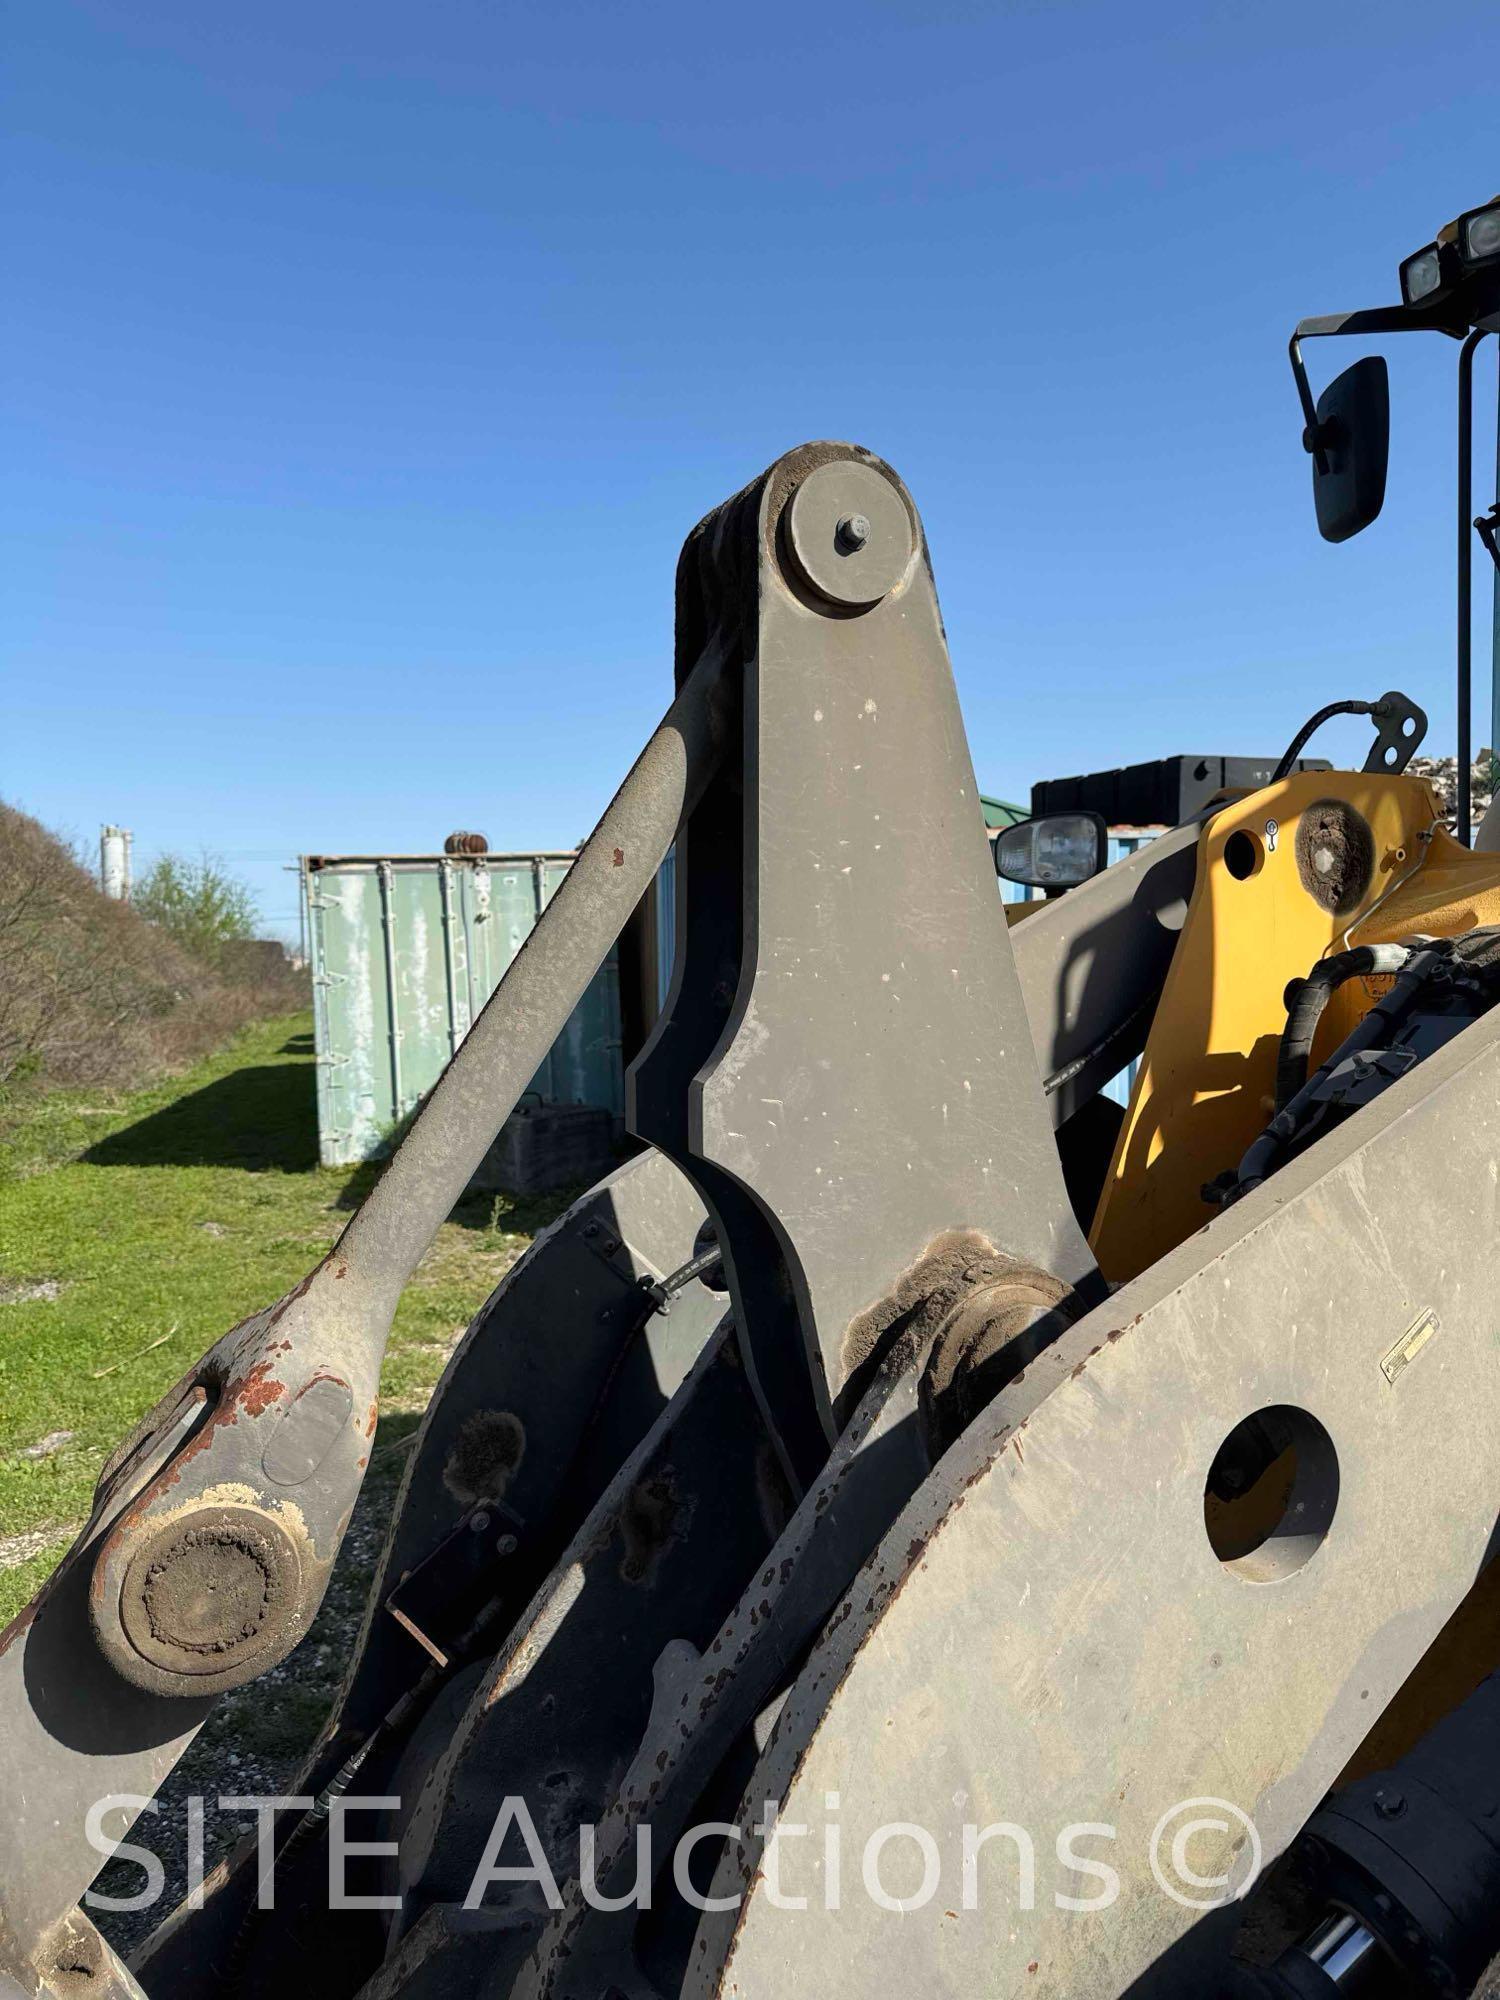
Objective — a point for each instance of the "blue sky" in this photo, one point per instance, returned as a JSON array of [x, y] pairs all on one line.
[[365, 366]]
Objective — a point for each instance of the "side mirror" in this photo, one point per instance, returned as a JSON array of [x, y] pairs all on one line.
[[1057, 852], [1351, 444]]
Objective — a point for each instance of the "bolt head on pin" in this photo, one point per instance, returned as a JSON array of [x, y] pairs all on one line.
[[851, 534]]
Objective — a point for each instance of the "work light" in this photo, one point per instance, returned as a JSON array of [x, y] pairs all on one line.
[[1479, 234], [1424, 276]]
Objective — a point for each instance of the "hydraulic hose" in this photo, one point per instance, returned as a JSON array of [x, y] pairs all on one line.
[[1265, 1155], [1310, 728], [1307, 1000], [700, 1265]]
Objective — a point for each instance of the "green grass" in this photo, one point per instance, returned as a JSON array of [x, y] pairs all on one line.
[[162, 1218]]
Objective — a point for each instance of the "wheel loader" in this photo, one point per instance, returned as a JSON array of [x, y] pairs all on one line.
[[914, 1526]]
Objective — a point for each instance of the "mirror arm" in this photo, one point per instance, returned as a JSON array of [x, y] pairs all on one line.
[[1312, 430], [1378, 319], [1466, 526]]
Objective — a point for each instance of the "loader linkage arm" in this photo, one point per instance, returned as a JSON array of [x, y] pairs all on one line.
[[911, 1528]]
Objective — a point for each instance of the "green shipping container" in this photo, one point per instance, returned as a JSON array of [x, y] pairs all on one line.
[[405, 950]]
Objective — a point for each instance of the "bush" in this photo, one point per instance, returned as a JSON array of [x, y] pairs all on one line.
[[198, 904], [92, 993]]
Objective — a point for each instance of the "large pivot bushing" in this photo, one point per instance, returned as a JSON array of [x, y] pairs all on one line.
[[981, 1317], [210, 1598], [213, 1571]]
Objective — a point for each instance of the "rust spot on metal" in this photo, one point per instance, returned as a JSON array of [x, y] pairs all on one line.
[[619, 857], [255, 1395]]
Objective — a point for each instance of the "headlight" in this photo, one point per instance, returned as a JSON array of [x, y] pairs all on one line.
[[1057, 852], [1423, 276], [1479, 234]]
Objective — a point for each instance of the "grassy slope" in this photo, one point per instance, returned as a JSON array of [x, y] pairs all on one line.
[[176, 1211]]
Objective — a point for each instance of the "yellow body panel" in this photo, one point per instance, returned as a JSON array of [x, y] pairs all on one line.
[[1207, 1083]]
